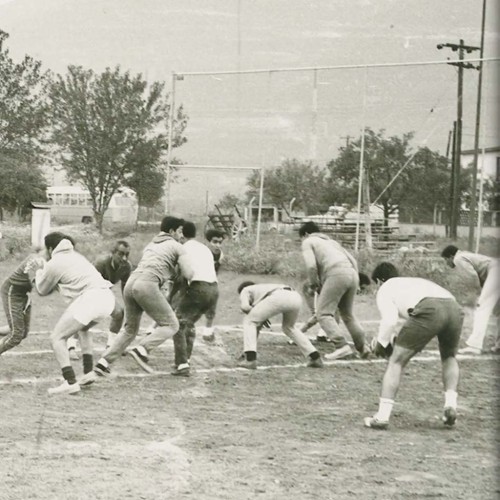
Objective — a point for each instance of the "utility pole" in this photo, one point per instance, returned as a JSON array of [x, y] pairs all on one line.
[[472, 209], [461, 48]]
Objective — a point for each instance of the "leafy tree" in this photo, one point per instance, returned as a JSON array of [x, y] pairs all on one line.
[[292, 179], [21, 184], [419, 186], [23, 124], [23, 104], [111, 129]]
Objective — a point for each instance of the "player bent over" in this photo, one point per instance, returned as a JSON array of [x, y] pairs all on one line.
[[260, 302], [15, 292], [487, 270], [113, 267], [143, 293], [75, 277], [430, 311]]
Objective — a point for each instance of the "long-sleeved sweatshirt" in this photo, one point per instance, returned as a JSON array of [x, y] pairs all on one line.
[[474, 263], [69, 272]]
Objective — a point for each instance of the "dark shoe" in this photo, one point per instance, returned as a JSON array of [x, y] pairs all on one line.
[[102, 371], [322, 338], [366, 352], [315, 363], [249, 365], [373, 423], [450, 416], [183, 372]]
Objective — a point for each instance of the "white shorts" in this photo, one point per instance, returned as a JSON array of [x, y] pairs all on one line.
[[92, 305]]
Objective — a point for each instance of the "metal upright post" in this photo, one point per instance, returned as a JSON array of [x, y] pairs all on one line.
[[170, 143]]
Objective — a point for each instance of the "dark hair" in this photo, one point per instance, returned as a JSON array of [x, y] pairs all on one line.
[[384, 271], [308, 227], [189, 229], [214, 233], [364, 280], [53, 239], [449, 251], [244, 285], [307, 290], [120, 243], [170, 223]]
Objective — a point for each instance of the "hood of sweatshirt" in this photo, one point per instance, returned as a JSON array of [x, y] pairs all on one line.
[[63, 246], [161, 237]]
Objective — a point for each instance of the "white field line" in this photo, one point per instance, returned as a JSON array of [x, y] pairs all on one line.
[[221, 369]]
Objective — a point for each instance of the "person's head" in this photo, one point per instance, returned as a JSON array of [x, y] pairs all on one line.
[[307, 290], [51, 241], [172, 226], [308, 228], [214, 237], [188, 230], [244, 285], [448, 255], [384, 271], [120, 252], [364, 281]]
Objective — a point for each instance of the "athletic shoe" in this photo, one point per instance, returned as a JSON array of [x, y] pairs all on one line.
[[373, 423], [340, 353], [101, 370], [73, 354], [496, 348], [450, 416], [366, 353], [141, 360], [249, 365], [322, 338], [64, 388], [88, 379], [181, 372], [314, 363], [470, 350]]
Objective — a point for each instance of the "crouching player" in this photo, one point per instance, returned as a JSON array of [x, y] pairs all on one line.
[[260, 302], [75, 277], [430, 311]]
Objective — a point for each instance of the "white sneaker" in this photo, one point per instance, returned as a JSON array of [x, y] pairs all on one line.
[[340, 353], [470, 350], [64, 388], [87, 379], [140, 359]]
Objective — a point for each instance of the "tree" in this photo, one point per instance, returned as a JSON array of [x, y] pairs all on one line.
[[23, 125], [21, 184], [292, 179], [111, 129], [419, 186]]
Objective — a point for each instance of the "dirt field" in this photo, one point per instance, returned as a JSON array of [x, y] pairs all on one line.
[[282, 432]]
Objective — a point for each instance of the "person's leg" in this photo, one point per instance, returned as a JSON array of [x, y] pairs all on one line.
[[346, 306], [291, 304], [116, 323], [87, 347], [71, 344], [487, 301], [17, 310], [332, 290], [390, 385], [64, 329]]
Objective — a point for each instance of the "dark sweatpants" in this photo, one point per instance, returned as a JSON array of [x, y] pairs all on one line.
[[198, 298]]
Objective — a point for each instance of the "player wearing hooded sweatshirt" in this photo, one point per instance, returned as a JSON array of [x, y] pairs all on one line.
[[143, 293], [333, 271], [92, 300]]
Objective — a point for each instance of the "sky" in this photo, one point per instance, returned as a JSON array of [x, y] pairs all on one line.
[[264, 118]]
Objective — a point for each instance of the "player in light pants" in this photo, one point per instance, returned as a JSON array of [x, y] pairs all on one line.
[[487, 270], [75, 277], [261, 302], [430, 311]]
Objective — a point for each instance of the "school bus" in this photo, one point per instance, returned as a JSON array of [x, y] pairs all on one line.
[[73, 204]]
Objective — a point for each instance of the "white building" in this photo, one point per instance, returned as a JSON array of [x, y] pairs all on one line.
[[489, 161]]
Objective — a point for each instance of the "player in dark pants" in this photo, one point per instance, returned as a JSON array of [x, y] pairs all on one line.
[[15, 292], [214, 238], [430, 311], [196, 299]]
